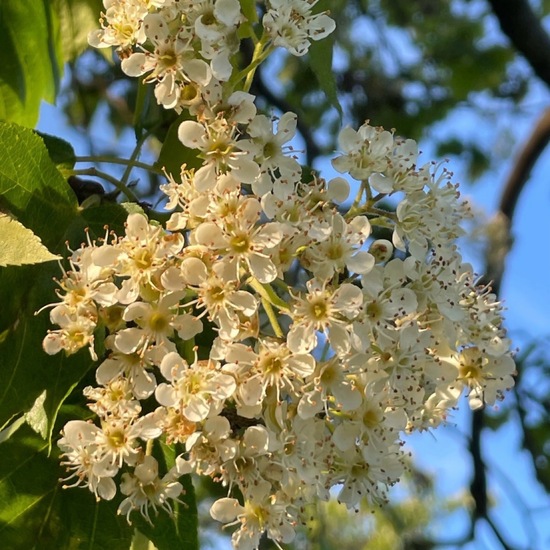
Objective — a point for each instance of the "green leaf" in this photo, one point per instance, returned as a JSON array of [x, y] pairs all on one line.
[[61, 152], [33, 191], [248, 7], [174, 154], [26, 369], [20, 245], [37, 418], [32, 188], [76, 19], [27, 372], [31, 67], [37, 514], [320, 58]]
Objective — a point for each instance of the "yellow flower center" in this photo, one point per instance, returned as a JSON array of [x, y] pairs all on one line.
[[240, 244]]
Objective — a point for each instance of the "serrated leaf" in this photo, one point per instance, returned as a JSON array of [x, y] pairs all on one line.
[[32, 188], [20, 245], [37, 514], [30, 69]]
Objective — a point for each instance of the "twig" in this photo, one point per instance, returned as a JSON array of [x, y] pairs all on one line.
[[524, 29]]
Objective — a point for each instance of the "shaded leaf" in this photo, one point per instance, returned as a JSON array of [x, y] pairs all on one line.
[[31, 66], [33, 190], [27, 371], [320, 57], [37, 514], [76, 19], [20, 245], [174, 154], [60, 151]]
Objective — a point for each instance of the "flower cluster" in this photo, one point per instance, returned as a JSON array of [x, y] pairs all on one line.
[[325, 341]]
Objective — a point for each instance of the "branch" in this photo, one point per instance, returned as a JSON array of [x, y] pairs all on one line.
[[500, 238], [523, 28], [478, 486], [524, 164], [497, 250]]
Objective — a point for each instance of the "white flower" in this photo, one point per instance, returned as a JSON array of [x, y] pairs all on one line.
[[118, 439], [156, 323], [242, 243], [144, 488], [121, 25], [212, 446], [141, 256], [115, 399], [196, 390], [261, 512], [217, 141], [171, 64], [485, 377], [291, 24], [215, 23], [369, 478], [268, 147], [79, 449], [76, 332], [366, 151], [340, 249], [327, 310], [223, 301], [134, 367]]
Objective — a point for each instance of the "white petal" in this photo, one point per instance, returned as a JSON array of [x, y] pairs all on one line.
[[262, 268], [210, 235], [301, 339], [344, 436], [226, 509], [228, 12], [166, 395], [198, 71], [191, 134], [338, 190], [129, 340], [171, 364], [361, 263], [194, 271], [135, 65], [197, 409]]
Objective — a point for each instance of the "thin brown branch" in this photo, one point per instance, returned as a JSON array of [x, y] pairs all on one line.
[[524, 164], [524, 29], [478, 485], [498, 249]]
